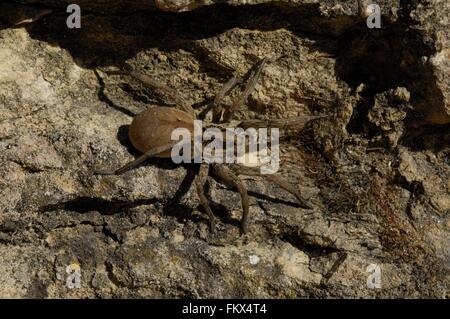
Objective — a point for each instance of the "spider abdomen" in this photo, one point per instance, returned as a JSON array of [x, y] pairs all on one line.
[[153, 128]]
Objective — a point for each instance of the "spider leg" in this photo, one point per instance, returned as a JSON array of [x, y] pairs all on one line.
[[159, 87], [231, 179], [253, 78], [139, 160], [217, 109], [297, 121], [276, 179], [200, 181]]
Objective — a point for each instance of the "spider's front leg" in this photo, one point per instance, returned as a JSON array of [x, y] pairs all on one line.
[[217, 109], [221, 114], [200, 181], [253, 77], [232, 180]]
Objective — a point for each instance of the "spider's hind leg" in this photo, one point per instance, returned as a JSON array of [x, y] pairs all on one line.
[[231, 179], [200, 181], [276, 179]]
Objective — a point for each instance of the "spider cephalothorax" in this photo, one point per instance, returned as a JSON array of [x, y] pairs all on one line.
[[151, 132]]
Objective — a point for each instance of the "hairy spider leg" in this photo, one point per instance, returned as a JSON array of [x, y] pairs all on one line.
[[159, 87], [253, 78], [200, 181], [276, 179], [150, 153], [217, 109], [232, 180]]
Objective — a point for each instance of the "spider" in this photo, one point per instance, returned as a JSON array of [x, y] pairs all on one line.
[[150, 133]]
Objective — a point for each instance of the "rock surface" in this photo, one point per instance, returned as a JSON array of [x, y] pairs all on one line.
[[379, 180]]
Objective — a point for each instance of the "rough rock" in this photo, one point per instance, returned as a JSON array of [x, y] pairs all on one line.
[[432, 20], [378, 180]]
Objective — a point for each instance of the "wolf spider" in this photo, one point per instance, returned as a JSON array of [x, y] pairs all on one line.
[[150, 133]]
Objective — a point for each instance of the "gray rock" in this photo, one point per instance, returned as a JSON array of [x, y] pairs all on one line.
[[378, 181]]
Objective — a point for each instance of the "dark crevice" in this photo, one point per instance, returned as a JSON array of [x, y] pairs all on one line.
[[106, 230], [305, 243], [431, 137], [171, 31], [379, 58], [383, 59], [415, 188], [104, 207], [359, 123]]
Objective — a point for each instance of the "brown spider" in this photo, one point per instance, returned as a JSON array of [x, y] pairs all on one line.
[[150, 132]]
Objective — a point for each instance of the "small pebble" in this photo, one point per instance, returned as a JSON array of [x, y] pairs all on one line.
[[254, 260]]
